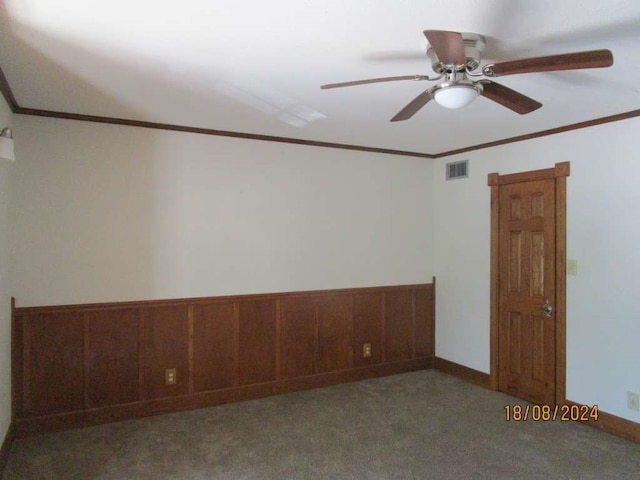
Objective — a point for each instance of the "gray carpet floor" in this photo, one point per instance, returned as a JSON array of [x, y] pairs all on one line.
[[421, 425]]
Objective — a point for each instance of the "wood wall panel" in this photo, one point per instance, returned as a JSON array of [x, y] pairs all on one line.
[[297, 336], [257, 341], [335, 333], [367, 327], [18, 347], [112, 357], [86, 364], [53, 363], [213, 346], [424, 322], [166, 345], [399, 325]]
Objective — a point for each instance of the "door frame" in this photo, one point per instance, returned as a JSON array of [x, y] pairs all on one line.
[[560, 173]]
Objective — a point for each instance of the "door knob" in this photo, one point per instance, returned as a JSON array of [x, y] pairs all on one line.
[[547, 309]]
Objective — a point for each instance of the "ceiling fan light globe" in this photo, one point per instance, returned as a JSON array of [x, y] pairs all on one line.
[[456, 96]]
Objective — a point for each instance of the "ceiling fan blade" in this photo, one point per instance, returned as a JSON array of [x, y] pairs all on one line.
[[414, 105], [449, 46], [375, 80], [506, 97], [568, 61]]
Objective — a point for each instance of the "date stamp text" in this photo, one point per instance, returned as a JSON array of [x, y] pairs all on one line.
[[546, 413]]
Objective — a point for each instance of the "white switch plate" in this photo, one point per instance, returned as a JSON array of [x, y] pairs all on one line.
[[633, 401], [572, 267]]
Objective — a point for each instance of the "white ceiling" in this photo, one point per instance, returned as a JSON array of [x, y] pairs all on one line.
[[256, 66]]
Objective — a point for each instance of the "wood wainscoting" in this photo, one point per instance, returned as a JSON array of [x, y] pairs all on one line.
[[81, 365]]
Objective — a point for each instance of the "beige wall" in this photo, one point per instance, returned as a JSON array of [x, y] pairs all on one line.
[[112, 213], [6, 173], [603, 234]]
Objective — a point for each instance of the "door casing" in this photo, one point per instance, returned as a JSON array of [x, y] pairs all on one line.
[[560, 173]]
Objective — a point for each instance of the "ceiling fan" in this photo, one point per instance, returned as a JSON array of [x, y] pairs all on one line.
[[456, 56]]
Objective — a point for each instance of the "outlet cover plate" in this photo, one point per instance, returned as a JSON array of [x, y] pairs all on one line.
[[170, 376]]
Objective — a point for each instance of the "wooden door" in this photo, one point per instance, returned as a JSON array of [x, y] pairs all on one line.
[[527, 290], [528, 267]]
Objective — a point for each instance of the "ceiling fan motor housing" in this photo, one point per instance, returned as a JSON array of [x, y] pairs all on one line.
[[474, 45]]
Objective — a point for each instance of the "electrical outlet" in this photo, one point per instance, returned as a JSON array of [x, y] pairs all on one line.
[[366, 350], [633, 401], [170, 376]]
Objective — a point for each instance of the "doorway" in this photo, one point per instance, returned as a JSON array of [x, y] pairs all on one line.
[[528, 284]]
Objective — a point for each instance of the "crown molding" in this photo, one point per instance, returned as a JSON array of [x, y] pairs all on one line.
[[6, 91], [209, 131]]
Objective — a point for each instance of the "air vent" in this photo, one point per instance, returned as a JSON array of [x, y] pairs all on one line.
[[458, 170]]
